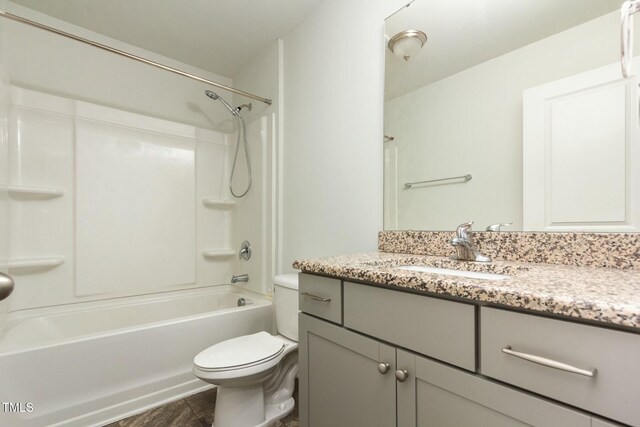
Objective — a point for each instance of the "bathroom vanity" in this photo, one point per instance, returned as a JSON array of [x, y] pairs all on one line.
[[545, 345]]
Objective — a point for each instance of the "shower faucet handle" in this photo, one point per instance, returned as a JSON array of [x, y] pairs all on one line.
[[245, 251], [6, 285]]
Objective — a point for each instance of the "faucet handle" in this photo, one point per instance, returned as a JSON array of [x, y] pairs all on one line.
[[245, 251], [462, 229], [496, 227]]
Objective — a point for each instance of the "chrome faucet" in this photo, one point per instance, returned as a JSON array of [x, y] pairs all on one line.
[[240, 278], [466, 250]]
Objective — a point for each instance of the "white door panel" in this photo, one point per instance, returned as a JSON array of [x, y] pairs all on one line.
[[580, 153]]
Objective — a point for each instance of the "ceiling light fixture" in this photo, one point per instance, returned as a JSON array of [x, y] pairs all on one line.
[[407, 43]]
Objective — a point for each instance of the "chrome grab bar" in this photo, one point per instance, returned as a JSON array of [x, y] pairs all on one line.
[[409, 185], [315, 297], [549, 362]]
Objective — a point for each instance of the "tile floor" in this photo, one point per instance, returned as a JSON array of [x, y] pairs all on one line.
[[192, 411]]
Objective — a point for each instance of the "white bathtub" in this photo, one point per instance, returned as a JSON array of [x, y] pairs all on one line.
[[99, 362]]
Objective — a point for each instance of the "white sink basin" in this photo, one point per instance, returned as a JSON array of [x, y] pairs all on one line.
[[451, 272]]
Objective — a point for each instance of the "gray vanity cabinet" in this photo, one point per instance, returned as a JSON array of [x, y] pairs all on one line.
[[436, 395], [350, 380], [341, 382], [366, 370]]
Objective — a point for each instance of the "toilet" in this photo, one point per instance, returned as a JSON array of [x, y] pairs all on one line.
[[256, 373]]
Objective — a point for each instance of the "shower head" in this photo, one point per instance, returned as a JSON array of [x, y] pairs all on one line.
[[211, 94], [241, 131]]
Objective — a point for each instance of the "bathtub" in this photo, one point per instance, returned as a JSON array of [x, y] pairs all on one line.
[[96, 363]]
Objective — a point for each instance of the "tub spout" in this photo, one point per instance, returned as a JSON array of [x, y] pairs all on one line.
[[240, 278]]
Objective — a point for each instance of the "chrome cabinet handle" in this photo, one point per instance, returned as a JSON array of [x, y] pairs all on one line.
[[549, 362], [383, 367], [315, 297], [6, 286], [402, 375]]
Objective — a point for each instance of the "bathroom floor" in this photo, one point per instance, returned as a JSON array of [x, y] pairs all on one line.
[[193, 411]]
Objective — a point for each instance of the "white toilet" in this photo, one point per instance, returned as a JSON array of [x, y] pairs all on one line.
[[255, 374]]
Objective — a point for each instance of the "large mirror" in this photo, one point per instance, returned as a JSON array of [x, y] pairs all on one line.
[[513, 112]]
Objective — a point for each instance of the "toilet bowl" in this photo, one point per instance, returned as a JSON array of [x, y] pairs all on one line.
[[255, 374]]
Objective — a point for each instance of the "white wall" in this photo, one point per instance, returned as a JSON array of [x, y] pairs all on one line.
[[128, 218], [5, 103], [333, 97], [40, 60], [255, 216], [471, 122], [49, 64]]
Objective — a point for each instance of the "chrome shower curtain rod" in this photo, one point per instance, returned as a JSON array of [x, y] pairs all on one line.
[[17, 18]]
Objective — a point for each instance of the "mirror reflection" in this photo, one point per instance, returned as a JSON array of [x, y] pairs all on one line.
[[510, 113]]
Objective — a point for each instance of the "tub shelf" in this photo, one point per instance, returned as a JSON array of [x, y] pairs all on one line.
[[25, 191], [36, 263], [218, 204], [218, 253]]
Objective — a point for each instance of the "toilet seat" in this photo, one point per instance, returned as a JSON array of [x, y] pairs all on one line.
[[243, 358], [238, 353]]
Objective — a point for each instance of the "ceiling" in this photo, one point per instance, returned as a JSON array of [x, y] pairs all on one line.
[[218, 36], [462, 34]]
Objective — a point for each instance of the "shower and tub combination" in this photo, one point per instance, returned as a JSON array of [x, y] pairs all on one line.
[[122, 231], [99, 362]]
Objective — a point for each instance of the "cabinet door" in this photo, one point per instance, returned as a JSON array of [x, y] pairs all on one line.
[[440, 396], [340, 380]]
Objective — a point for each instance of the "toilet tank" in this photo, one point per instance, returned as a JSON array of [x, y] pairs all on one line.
[[285, 296]]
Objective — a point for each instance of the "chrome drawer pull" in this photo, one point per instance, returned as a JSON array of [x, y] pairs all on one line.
[[315, 297], [549, 362]]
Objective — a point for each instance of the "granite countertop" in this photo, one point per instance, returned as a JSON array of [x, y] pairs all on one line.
[[606, 295]]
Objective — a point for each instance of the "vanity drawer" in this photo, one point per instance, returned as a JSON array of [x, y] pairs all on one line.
[[321, 297], [437, 328], [612, 356]]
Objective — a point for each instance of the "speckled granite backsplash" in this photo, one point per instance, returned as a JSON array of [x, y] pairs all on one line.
[[607, 250]]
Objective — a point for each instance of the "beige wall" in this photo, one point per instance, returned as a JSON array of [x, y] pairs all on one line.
[[256, 212]]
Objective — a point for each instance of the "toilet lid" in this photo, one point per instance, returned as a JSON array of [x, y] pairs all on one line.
[[240, 352]]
